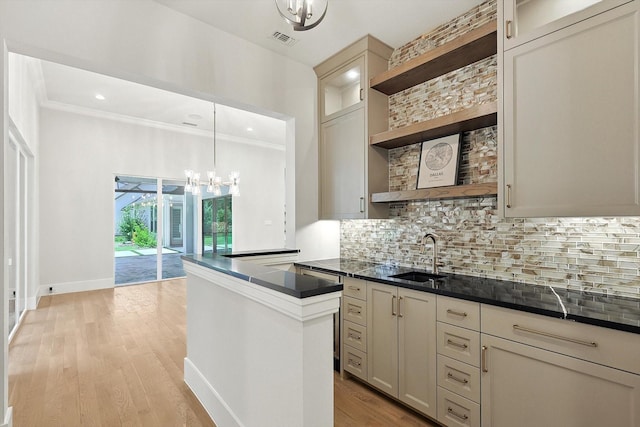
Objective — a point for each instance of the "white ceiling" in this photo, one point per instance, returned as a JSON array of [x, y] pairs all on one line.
[[395, 22], [72, 88]]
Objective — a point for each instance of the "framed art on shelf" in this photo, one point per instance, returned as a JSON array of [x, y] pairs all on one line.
[[439, 160]]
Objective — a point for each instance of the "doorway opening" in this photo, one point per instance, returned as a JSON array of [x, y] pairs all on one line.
[[153, 227], [217, 224]]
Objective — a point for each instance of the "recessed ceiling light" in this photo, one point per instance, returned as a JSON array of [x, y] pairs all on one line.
[[100, 97], [249, 129], [353, 74]]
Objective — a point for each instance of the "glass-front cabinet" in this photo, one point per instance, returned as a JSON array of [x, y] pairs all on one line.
[[526, 20], [343, 90]]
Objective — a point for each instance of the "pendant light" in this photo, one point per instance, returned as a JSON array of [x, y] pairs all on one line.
[[214, 182], [302, 14]]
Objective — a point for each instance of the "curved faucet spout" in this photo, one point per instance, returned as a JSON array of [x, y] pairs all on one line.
[[434, 239]]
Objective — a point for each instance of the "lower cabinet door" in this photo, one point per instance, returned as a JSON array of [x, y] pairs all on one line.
[[527, 386], [382, 339], [417, 350]]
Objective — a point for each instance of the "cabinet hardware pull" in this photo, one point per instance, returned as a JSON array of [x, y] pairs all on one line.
[[393, 305], [455, 344], [353, 311], [508, 32], [354, 337], [354, 363], [509, 196], [455, 414], [354, 288], [483, 361], [400, 307], [457, 313], [361, 94], [361, 204], [558, 337], [453, 377]]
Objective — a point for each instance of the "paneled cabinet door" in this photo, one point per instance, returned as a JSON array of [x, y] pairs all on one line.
[[382, 339], [417, 350], [527, 386], [571, 120], [342, 167]]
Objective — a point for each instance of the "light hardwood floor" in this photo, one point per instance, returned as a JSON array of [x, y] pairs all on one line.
[[115, 358]]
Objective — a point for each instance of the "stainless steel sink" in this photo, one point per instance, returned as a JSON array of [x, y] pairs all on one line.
[[417, 276]]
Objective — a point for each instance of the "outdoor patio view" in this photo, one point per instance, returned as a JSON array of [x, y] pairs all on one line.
[[136, 230], [216, 224]]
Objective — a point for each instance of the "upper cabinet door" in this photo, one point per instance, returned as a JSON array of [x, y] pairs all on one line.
[[571, 120], [343, 90], [525, 20]]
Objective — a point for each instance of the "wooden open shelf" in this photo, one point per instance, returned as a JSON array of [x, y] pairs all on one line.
[[462, 51], [452, 192], [472, 118]]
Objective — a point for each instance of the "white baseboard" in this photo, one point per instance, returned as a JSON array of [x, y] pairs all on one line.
[[8, 419], [213, 403], [69, 287]]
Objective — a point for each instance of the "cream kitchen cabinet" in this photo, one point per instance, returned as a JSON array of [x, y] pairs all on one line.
[[348, 112], [354, 327], [525, 20], [570, 117], [539, 371], [401, 345], [458, 329]]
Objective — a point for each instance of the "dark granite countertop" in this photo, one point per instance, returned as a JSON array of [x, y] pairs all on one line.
[[610, 311], [283, 281], [259, 252]]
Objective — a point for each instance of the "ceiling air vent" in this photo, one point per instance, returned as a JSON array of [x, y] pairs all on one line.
[[283, 38]]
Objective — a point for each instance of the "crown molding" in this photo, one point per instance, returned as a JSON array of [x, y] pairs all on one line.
[[75, 109]]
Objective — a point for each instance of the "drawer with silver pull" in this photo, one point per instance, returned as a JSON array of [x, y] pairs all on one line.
[[355, 288], [458, 312], [355, 362], [459, 343], [456, 411], [354, 335], [588, 342], [355, 310], [459, 378]]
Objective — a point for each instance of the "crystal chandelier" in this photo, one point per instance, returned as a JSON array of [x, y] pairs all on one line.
[[214, 183], [302, 14]]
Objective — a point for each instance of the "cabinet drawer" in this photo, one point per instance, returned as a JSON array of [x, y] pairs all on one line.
[[609, 347], [320, 274], [456, 411], [355, 311], [355, 288], [459, 378], [459, 312], [354, 335], [355, 362], [459, 343]]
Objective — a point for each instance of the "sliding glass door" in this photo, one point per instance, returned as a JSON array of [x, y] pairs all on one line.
[[152, 229]]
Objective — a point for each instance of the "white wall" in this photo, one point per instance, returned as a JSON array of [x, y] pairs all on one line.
[[79, 157], [148, 43], [258, 214]]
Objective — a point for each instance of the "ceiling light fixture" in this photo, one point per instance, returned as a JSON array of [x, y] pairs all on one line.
[[100, 97], [302, 14], [214, 183]]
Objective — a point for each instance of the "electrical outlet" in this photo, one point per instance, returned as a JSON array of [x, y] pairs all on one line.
[[50, 288]]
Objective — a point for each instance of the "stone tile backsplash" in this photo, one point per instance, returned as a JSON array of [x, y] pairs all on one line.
[[579, 253]]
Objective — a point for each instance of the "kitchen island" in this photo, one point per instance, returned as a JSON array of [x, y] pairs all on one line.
[[259, 342]]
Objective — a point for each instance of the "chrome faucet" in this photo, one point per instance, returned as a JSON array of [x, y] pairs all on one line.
[[433, 237]]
